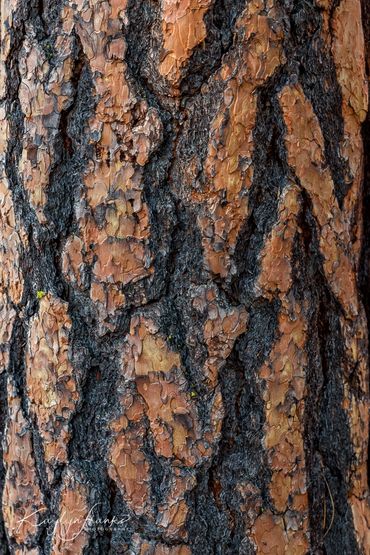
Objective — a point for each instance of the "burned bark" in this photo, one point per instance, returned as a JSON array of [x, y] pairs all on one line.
[[184, 268]]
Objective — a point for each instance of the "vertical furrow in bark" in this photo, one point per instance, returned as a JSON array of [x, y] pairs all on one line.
[[11, 284], [45, 90], [113, 217], [284, 377], [228, 167], [339, 266], [34, 135], [224, 202], [328, 454], [110, 251], [348, 50], [207, 57], [3, 416], [308, 47], [18, 434], [11, 275], [365, 254], [349, 56]]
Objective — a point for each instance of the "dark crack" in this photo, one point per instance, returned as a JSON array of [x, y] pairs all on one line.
[[327, 436]]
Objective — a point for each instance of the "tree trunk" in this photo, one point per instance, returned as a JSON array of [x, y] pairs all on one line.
[[184, 277]]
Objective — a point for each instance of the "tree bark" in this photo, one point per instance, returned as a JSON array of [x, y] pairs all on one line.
[[184, 260]]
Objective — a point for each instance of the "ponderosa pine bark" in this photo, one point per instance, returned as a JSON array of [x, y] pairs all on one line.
[[184, 273]]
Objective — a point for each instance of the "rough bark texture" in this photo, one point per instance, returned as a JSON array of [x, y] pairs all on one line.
[[185, 260]]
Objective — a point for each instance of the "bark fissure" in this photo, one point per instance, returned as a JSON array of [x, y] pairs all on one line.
[[312, 62], [365, 254], [326, 424], [28, 305], [206, 59]]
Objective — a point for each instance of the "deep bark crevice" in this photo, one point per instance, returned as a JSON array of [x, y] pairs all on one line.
[[312, 63], [28, 305], [269, 179], [327, 436], [4, 546], [240, 457], [206, 59], [365, 253]]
